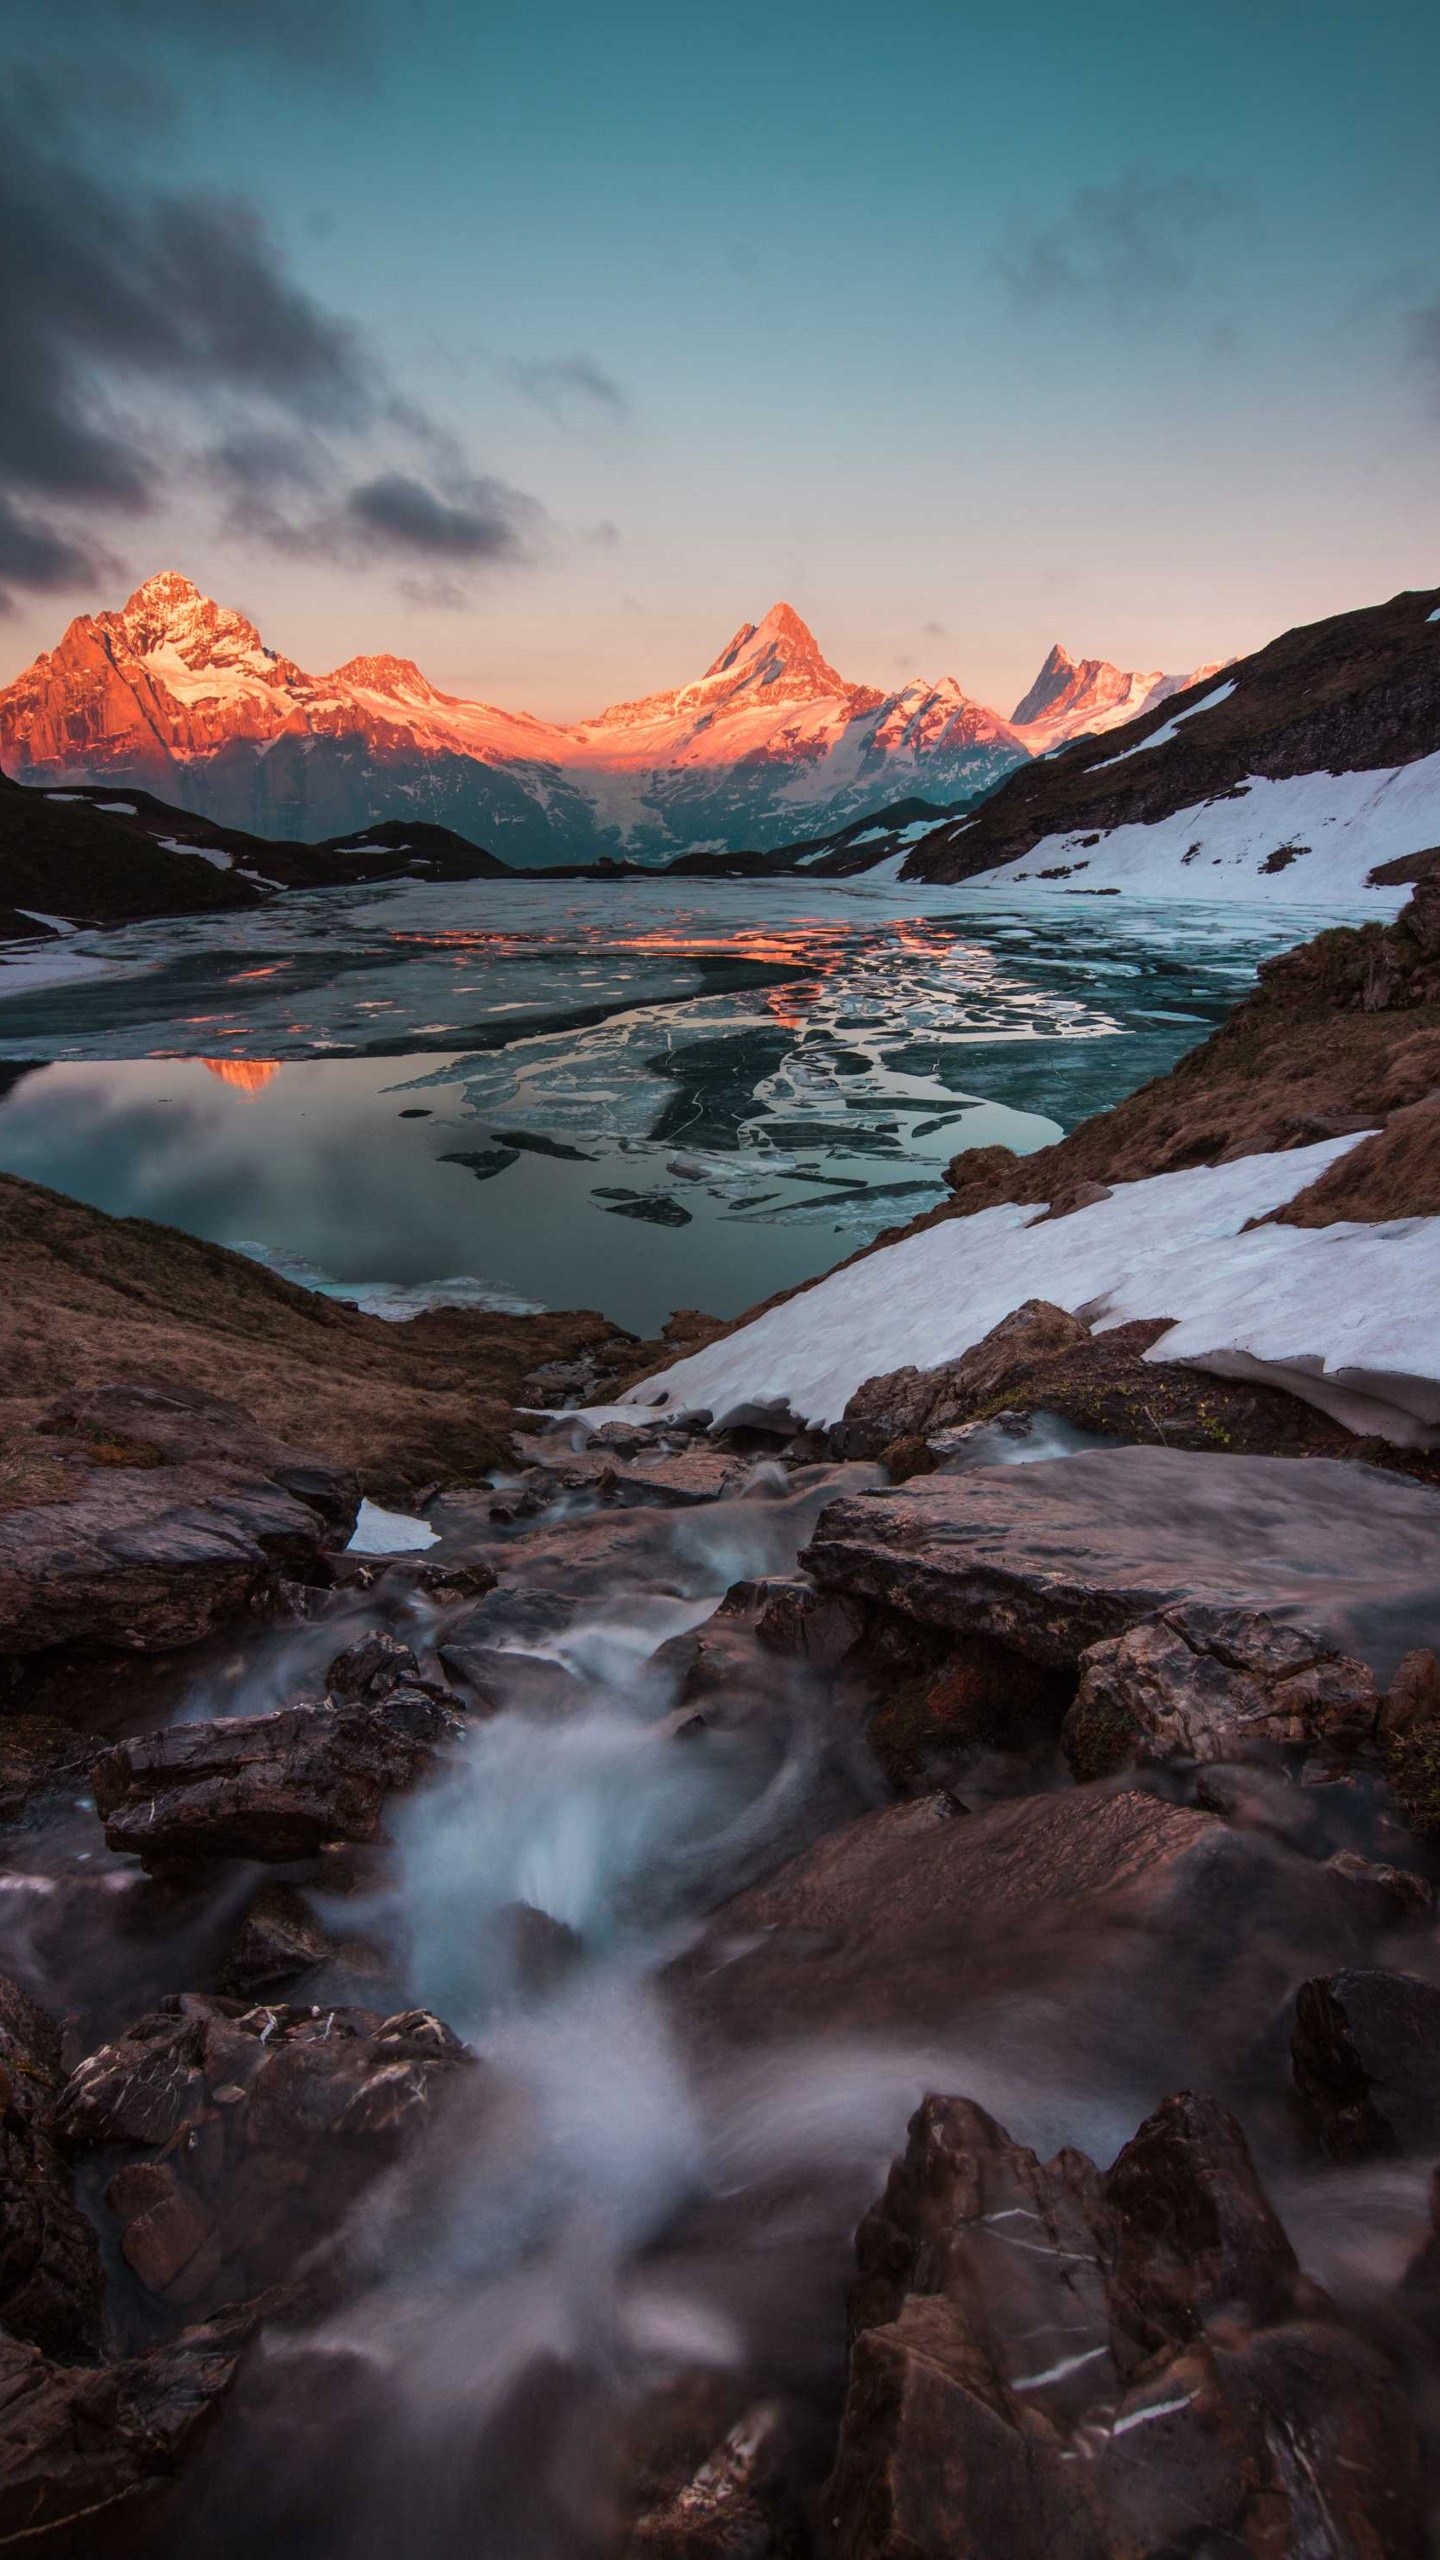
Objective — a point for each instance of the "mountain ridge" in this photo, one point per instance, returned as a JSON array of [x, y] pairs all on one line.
[[177, 694]]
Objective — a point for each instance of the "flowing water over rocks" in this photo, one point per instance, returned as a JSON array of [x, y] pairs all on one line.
[[493, 1983]]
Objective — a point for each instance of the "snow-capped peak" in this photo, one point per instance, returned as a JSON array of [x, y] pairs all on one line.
[[1071, 698], [399, 678], [780, 648], [169, 612]]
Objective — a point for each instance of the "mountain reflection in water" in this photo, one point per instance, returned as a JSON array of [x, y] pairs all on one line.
[[513, 1094]]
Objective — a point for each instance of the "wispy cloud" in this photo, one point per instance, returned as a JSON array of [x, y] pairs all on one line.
[[571, 389], [1130, 246]]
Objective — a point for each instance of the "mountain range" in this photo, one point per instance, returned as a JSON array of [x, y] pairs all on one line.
[[178, 695]]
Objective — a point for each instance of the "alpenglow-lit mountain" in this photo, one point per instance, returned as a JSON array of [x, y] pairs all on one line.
[[179, 695], [1073, 698]]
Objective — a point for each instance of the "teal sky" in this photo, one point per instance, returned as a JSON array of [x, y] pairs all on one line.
[[963, 329]]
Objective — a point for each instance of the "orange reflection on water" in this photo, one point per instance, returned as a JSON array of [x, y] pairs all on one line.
[[248, 1075]]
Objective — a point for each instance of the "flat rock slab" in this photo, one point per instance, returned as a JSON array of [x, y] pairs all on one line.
[[1050, 1558], [1116, 1907], [692, 1475]]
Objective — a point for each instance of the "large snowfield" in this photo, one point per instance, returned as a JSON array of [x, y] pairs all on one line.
[[1336, 828], [1343, 1316]]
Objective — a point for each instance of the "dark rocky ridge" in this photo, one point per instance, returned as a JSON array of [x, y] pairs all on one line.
[[74, 852], [1357, 691]]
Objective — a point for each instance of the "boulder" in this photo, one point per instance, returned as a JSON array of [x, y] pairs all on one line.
[[249, 2133], [910, 1404], [275, 1786], [1054, 1557], [89, 2455], [1200, 1683], [1043, 1361], [623, 1470], [169, 1512], [1366, 2055], [50, 2284], [1055, 2365]]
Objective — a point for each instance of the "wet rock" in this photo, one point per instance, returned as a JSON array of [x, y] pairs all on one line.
[[1200, 1683], [273, 1787], [732, 2508], [89, 2455], [262, 2126], [909, 1404], [919, 1916], [50, 2285], [1053, 1557], [371, 1667], [1410, 1740], [1058, 2365], [1394, 1893], [541, 1952], [1413, 1698], [636, 1475], [816, 1627], [40, 1758], [1366, 2055], [279, 1941], [180, 1512]]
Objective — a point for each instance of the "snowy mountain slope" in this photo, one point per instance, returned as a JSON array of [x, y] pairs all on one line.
[[1309, 765], [1073, 699], [179, 695]]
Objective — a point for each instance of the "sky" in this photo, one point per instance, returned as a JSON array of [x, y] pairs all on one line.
[[548, 346]]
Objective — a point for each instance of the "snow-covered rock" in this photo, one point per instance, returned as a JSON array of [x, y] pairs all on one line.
[[1343, 1316]]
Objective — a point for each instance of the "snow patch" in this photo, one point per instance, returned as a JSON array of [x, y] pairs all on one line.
[[1162, 737], [1342, 1316], [1334, 827], [210, 853], [389, 1533]]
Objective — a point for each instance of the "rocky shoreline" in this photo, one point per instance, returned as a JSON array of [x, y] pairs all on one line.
[[864, 1988]]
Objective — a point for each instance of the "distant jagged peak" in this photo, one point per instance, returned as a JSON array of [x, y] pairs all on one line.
[[1074, 697], [398, 678], [1054, 676]]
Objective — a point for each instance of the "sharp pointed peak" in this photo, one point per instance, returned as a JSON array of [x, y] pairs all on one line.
[[779, 643]]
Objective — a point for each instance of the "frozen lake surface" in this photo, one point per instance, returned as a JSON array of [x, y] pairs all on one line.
[[637, 1097]]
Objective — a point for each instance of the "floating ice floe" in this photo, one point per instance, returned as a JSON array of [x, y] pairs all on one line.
[[1347, 1317]]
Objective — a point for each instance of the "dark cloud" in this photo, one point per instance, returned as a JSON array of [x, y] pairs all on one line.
[[328, 32], [1132, 245], [152, 337], [568, 388], [481, 521], [40, 555]]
